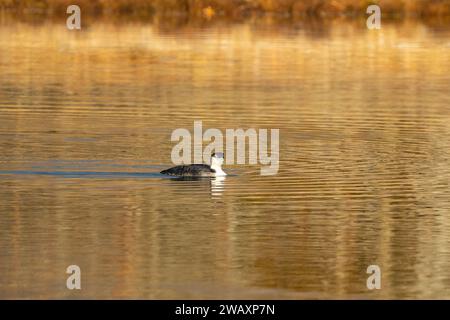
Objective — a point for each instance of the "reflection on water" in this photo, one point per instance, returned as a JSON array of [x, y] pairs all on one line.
[[217, 186], [85, 124]]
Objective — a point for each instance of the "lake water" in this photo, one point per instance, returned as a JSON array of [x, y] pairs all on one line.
[[364, 175]]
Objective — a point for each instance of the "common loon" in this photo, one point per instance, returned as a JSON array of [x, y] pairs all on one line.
[[199, 170]]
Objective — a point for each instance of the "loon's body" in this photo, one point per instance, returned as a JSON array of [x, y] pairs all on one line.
[[199, 170], [193, 170]]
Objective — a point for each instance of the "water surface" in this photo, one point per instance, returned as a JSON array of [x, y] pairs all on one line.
[[85, 125]]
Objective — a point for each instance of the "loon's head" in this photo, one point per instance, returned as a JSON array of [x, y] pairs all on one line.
[[217, 159], [216, 164]]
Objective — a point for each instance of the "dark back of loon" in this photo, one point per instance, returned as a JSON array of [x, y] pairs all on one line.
[[190, 170]]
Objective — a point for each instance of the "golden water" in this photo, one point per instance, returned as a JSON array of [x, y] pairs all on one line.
[[85, 125]]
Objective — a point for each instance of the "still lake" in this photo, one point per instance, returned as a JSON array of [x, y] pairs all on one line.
[[364, 175]]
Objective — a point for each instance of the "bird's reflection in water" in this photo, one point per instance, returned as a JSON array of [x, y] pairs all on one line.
[[217, 184]]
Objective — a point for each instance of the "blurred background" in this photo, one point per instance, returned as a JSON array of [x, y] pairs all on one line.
[[236, 8], [85, 123]]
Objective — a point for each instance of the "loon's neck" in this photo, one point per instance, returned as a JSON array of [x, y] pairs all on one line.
[[218, 170]]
